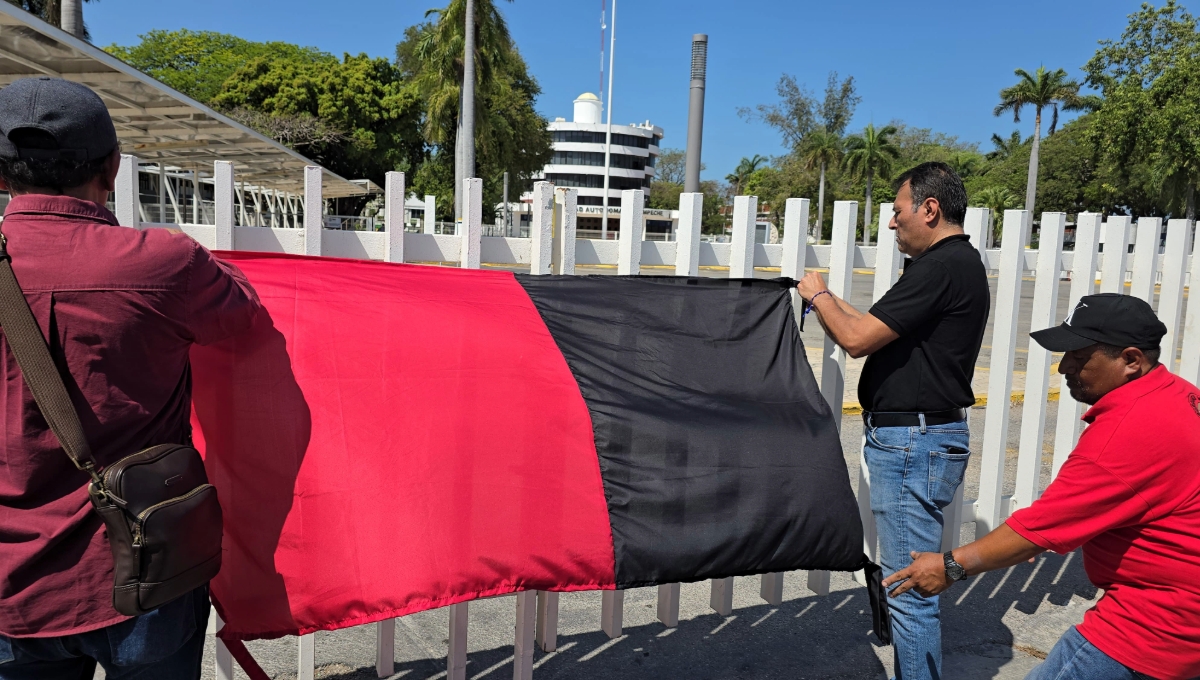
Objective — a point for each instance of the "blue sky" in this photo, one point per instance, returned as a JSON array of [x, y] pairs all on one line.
[[932, 63]]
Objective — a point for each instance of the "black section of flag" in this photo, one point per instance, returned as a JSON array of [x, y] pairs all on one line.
[[718, 454]]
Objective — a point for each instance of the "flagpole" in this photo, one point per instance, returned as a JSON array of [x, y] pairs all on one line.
[[612, 32]]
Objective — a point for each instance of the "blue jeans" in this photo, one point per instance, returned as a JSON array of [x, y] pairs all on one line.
[[1074, 658], [166, 644], [914, 474]]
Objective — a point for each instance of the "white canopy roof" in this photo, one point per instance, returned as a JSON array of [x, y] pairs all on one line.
[[154, 122]]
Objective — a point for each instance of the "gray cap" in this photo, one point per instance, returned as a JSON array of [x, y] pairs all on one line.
[[70, 113]]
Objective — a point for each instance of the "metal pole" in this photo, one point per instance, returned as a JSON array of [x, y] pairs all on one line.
[[162, 192], [612, 46], [195, 197], [507, 219], [691, 182], [467, 114]]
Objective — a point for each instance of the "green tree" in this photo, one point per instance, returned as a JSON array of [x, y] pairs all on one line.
[[1003, 148], [1041, 89], [823, 149], [868, 155], [744, 170], [1150, 80], [197, 63], [792, 115], [509, 133]]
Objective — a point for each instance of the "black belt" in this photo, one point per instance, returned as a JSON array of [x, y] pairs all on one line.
[[877, 419]]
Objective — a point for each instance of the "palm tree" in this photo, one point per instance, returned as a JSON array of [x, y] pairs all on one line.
[[58, 13], [997, 199], [1041, 89], [821, 149], [1004, 147], [868, 155], [72, 17], [743, 171]]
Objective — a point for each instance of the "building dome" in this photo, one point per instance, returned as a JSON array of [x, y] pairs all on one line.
[[587, 96], [587, 108]]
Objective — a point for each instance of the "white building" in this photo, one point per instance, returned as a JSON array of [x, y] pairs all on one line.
[[579, 162]]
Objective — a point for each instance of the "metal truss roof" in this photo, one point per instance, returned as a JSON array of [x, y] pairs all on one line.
[[154, 122]]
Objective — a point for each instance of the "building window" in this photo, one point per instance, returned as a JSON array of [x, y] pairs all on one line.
[[563, 179], [586, 137], [594, 158]]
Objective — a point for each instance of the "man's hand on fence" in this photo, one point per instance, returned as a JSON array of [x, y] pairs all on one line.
[[926, 575], [810, 285]]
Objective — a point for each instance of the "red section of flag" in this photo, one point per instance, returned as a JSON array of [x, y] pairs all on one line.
[[390, 439]]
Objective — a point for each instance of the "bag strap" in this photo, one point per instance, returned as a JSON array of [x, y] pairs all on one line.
[[42, 376]]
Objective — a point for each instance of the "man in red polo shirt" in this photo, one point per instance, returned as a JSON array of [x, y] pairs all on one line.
[[120, 309], [1129, 494]]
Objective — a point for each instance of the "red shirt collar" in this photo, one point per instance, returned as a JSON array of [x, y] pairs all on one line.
[[1125, 395], [60, 206]]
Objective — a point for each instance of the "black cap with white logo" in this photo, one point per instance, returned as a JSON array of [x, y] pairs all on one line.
[[73, 116], [1109, 318]]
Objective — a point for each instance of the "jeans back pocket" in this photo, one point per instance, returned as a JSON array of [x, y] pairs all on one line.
[[6, 652], [946, 471]]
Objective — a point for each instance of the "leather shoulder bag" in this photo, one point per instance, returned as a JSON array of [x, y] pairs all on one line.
[[162, 516]]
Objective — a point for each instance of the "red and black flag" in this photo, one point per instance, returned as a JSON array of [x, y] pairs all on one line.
[[393, 438]]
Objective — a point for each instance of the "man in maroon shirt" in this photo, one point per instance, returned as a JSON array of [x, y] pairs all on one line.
[[1129, 494], [120, 309]]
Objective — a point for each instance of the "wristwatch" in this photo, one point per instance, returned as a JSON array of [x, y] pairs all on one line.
[[954, 570]]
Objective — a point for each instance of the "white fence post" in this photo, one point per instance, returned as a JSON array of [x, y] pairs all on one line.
[[223, 204], [1189, 361], [127, 199], [1145, 258], [978, 225], [547, 621], [566, 214], [524, 640], [833, 362], [629, 249], [307, 662], [687, 239], [224, 660], [612, 602], [1083, 282], [1037, 365], [385, 648], [720, 598], [393, 217], [1170, 297], [472, 223], [1116, 251], [429, 221], [668, 604], [1004, 339], [741, 248], [314, 220], [541, 229], [456, 655]]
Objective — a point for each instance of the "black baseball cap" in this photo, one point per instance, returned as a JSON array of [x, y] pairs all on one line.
[[1109, 318], [71, 114]]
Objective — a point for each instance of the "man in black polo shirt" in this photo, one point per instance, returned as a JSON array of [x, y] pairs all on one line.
[[921, 339]]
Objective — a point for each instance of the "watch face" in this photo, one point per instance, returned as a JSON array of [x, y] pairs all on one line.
[[954, 570]]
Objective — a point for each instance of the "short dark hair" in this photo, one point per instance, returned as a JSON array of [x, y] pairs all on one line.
[[1112, 352], [59, 173], [937, 180]]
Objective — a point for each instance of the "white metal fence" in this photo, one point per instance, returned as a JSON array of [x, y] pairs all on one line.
[[553, 248]]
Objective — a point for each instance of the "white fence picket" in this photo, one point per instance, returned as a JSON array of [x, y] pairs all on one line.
[[1004, 338], [541, 228], [393, 217], [314, 222], [1116, 251], [1145, 258], [1174, 276], [566, 205], [741, 257], [687, 251], [1037, 365], [629, 247]]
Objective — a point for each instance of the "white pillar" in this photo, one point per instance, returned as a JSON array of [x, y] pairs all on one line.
[[795, 244], [687, 246], [224, 660], [771, 588], [566, 213], [1004, 339], [472, 224], [456, 656], [547, 621], [306, 667], [1174, 276], [393, 217], [126, 195], [195, 197], [977, 225], [1037, 365], [430, 222], [162, 193], [1145, 258], [314, 221], [720, 599], [887, 257], [223, 203], [385, 648], [668, 604], [1116, 247], [541, 229], [612, 602], [524, 637], [741, 249], [629, 249], [1189, 362], [1083, 282]]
